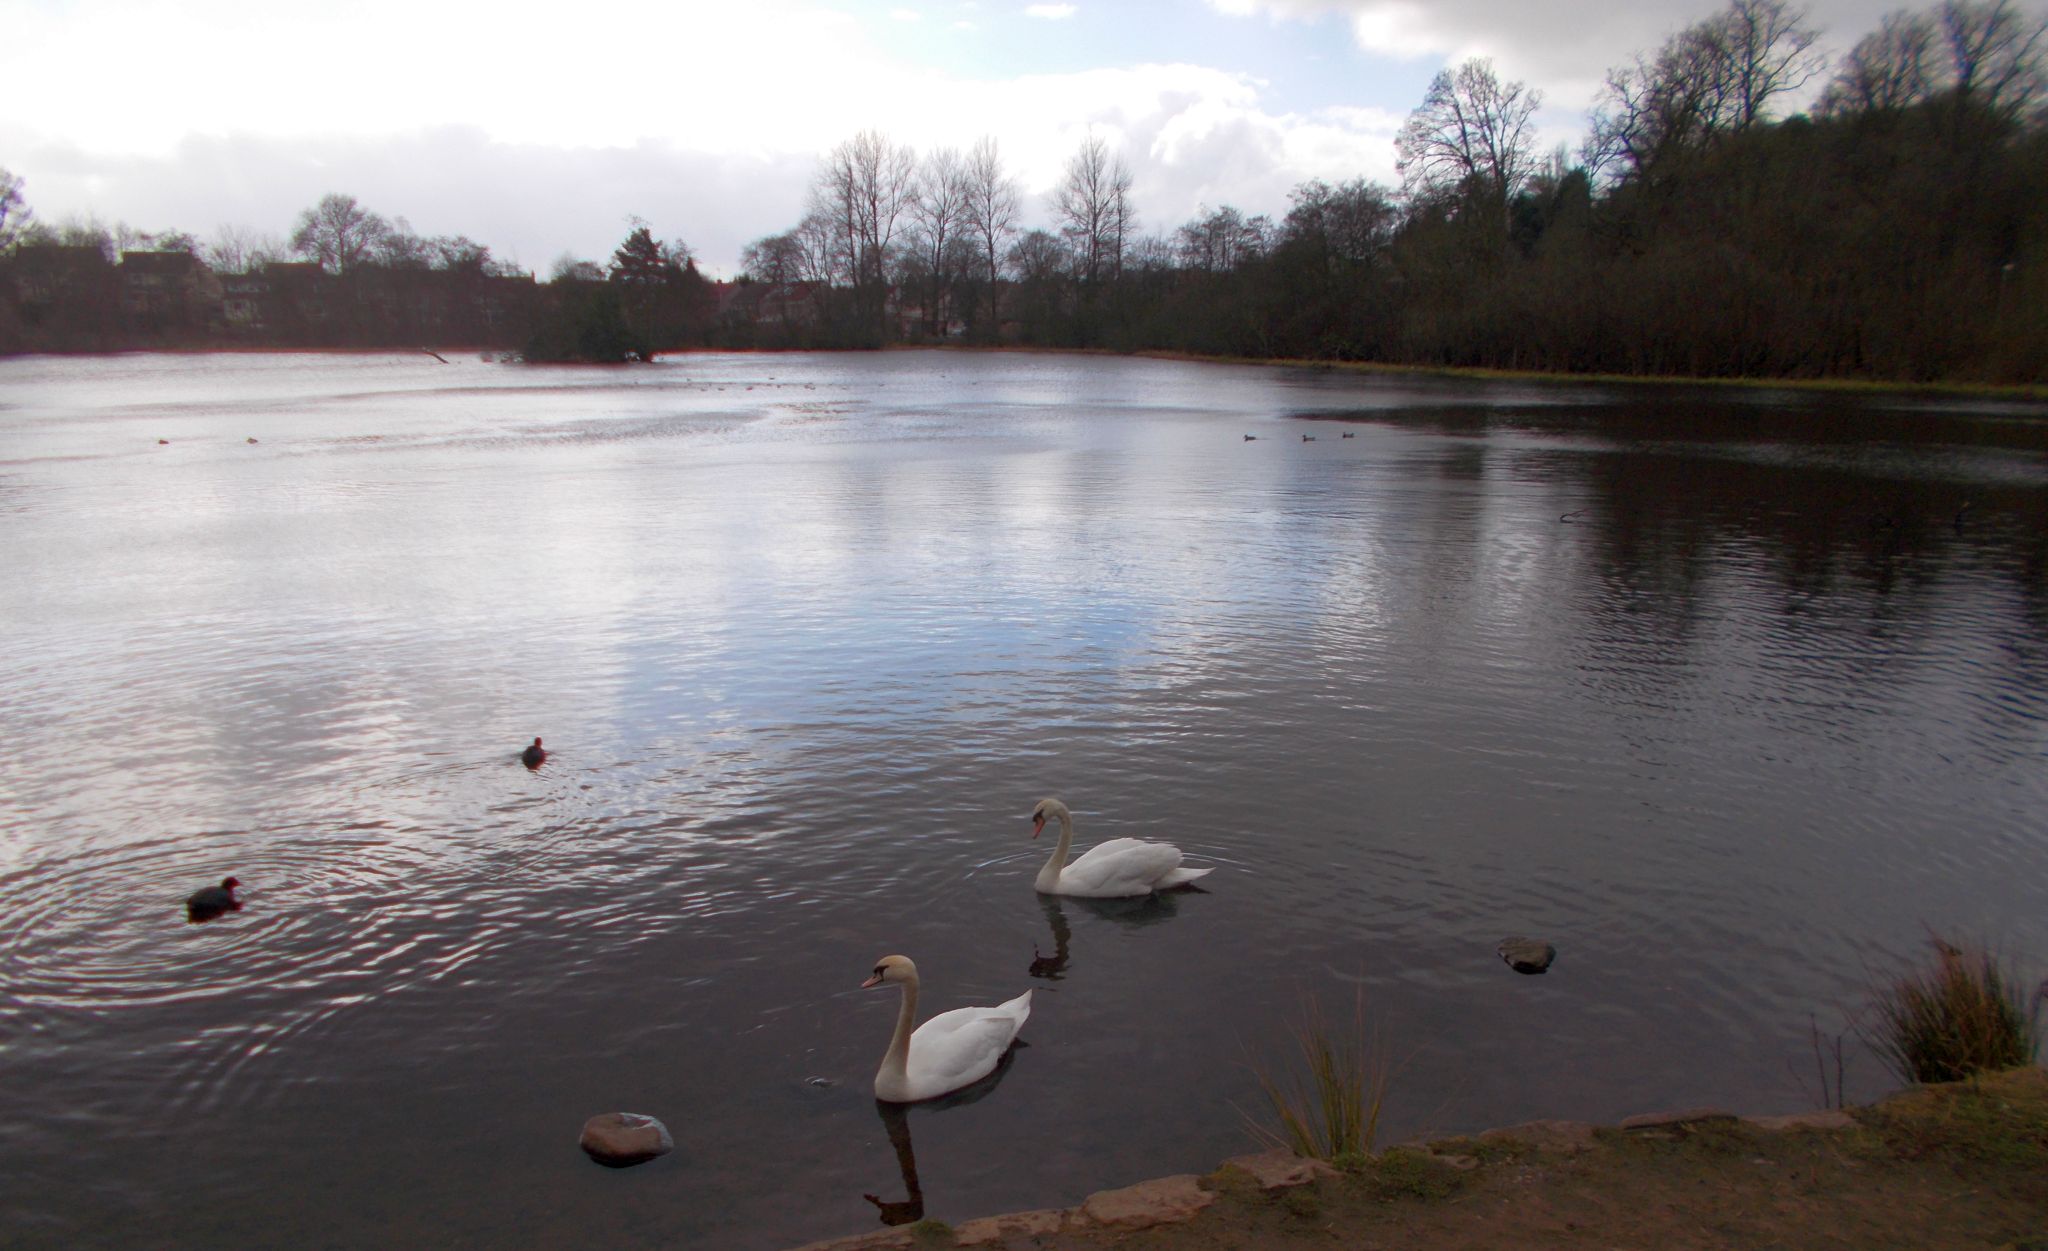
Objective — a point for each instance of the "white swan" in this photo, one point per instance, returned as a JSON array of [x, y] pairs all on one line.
[[951, 1050], [1117, 869]]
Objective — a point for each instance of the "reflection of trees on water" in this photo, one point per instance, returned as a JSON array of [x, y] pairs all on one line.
[[1874, 538], [1846, 538]]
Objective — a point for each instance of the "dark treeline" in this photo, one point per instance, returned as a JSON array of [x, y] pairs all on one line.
[[1897, 230]]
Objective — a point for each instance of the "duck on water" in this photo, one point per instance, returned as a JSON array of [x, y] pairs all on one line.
[[209, 902]]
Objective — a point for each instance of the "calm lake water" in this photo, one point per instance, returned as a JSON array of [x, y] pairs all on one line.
[[1728, 694]]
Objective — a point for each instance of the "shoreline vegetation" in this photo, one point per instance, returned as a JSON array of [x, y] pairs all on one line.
[[1894, 233], [1955, 1165], [1961, 1152]]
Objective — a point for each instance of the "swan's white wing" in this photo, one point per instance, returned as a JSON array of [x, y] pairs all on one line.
[[1121, 866], [960, 1047]]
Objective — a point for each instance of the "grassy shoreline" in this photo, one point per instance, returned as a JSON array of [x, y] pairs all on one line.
[[1957, 1165]]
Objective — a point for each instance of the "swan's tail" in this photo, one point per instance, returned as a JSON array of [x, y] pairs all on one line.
[[1020, 1007], [1181, 877]]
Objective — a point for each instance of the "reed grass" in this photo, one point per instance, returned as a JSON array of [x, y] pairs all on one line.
[[1961, 1016], [1325, 1099]]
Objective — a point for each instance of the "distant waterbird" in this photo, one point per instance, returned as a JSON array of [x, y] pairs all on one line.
[[209, 902], [534, 756]]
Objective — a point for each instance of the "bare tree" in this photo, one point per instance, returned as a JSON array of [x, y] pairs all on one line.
[[1471, 135], [776, 259], [992, 205], [569, 267], [1767, 51], [818, 247], [1345, 226], [338, 233], [1995, 56], [863, 190], [400, 248], [1893, 67], [241, 249], [15, 214], [939, 212], [1714, 78], [1094, 206], [1039, 256], [1220, 241]]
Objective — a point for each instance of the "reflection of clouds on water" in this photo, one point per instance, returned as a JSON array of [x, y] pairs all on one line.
[[806, 659]]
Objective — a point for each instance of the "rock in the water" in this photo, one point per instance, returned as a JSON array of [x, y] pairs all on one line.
[[1526, 955], [1161, 1201], [619, 1139]]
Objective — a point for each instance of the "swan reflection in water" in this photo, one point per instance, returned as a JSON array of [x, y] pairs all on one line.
[[1135, 912], [1052, 967], [896, 1121]]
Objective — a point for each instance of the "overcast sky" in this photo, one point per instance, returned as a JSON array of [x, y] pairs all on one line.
[[540, 129]]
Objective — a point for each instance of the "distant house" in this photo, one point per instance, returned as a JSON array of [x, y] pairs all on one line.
[[915, 320]]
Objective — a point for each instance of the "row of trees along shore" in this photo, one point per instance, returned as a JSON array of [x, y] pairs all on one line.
[[1896, 230]]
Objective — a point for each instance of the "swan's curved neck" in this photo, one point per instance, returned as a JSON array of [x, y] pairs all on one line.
[[896, 1060], [1049, 876]]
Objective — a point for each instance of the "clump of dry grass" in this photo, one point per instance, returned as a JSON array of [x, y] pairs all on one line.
[[1325, 1101], [1964, 1015]]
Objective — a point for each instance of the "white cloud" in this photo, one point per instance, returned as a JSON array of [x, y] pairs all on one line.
[[905, 15], [1193, 135], [528, 133], [1051, 12], [1563, 47]]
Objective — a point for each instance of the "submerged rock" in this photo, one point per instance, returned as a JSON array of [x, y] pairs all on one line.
[[619, 1139], [1526, 955]]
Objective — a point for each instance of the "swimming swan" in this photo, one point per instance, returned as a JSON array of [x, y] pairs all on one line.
[[951, 1050], [1117, 869]]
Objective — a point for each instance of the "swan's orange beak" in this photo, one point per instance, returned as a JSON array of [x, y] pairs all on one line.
[[872, 981], [1037, 824]]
